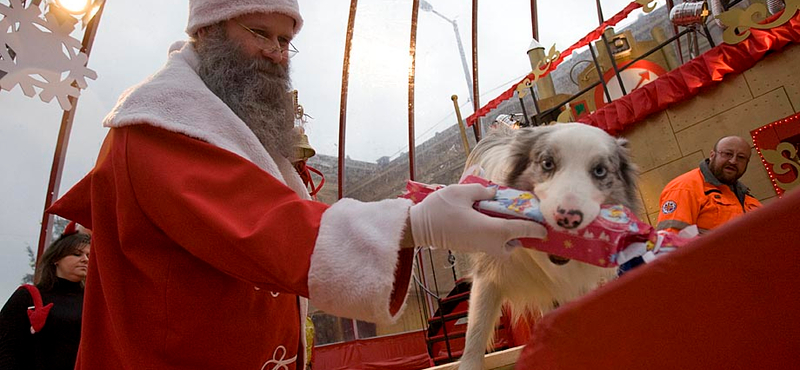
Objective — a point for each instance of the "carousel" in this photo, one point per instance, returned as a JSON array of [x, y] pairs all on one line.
[[670, 76]]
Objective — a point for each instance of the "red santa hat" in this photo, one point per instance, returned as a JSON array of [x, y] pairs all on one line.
[[207, 12]]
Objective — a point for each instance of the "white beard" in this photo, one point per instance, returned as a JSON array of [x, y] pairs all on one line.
[[256, 90]]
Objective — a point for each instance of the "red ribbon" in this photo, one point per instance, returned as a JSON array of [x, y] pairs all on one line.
[[304, 170]]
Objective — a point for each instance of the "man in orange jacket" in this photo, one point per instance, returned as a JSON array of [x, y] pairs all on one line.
[[710, 195]]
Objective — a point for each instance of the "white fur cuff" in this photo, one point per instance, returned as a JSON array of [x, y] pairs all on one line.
[[352, 269]]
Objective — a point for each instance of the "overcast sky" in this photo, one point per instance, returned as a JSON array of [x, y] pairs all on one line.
[[134, 37]]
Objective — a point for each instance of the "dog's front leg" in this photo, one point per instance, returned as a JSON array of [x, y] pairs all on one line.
[[484, 310]]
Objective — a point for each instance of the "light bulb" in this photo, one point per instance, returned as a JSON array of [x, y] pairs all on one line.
[[74, 6]]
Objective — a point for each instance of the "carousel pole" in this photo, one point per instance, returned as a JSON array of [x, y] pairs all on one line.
[[535, 32], [476, 101], [534, 20], [611, 58], [600, 17], [67, 118], [412, 53], [670, 5], [351, 21]]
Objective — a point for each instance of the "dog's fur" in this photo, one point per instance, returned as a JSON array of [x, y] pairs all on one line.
[[572, 168]]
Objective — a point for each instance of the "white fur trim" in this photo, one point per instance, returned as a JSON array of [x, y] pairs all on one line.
[[207, 12], [354, 260], [176, 99]]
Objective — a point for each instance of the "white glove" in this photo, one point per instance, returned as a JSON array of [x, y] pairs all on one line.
[[446, 219]]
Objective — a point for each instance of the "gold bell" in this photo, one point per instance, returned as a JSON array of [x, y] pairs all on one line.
[[303, 150]]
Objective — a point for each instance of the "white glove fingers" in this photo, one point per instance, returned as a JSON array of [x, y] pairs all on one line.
[[467, 193], [446, 219], [526, 229], [515, 229]]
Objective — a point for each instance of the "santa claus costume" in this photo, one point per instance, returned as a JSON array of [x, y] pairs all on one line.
[[204, 244]]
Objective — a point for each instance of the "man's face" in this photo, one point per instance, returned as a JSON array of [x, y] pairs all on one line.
[[253, 82], [262, 35], [729, 162]]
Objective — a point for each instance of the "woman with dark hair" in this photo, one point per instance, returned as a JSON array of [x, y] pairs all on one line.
[[60, 278]]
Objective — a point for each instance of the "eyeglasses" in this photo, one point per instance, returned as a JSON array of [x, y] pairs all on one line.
[[726, 155], [267, 45]]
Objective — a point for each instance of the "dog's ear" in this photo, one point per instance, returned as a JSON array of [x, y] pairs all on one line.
[[628, 172]]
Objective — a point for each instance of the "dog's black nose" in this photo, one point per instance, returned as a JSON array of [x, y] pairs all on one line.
[[568, 219]]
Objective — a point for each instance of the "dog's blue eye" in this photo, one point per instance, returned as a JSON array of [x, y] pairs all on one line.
[[599, 172], [548, 164]]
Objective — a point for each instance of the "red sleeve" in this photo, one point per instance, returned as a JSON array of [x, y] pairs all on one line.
[[222, 208]]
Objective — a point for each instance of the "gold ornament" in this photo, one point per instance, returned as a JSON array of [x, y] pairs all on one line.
[[783, 165], [522, 88], [739, 21], [645, 5], [299, 112], [541, 69], [543, 66]]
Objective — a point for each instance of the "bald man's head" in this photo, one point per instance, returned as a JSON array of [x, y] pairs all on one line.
[[729, 158]]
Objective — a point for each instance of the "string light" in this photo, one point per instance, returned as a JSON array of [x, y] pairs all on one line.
[[769, 166]]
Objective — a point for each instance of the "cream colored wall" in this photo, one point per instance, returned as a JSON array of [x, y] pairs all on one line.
[[674, 141]]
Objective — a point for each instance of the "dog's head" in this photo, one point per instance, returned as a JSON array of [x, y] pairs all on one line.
[[573, 168]]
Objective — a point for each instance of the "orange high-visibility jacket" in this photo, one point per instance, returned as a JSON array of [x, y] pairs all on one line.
[[698, 198]]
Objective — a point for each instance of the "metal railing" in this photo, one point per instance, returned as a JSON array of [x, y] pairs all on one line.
[[541, 116]]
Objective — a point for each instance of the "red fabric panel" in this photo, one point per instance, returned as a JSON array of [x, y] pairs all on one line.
[[727, 301], [200, 188], [405, 351], [405, 265], [169, 213], [689, 79], [586, 40]]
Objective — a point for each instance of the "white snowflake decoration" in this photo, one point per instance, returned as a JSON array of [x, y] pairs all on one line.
[[47, 57]]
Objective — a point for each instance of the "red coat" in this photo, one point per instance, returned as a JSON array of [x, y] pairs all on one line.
[[198, 257], [203, 242]]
